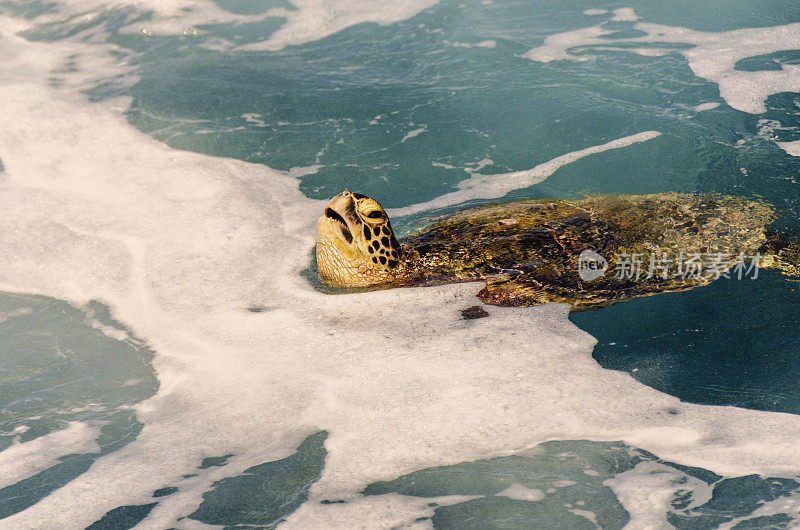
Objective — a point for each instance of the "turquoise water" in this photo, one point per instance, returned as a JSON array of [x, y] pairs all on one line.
[[347, 102], [560, 469], [403, 112], [58, 368]]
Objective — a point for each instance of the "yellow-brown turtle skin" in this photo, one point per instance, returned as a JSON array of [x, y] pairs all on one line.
[[528, 252], [356, 246]]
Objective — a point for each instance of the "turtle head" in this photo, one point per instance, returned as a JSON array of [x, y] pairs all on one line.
[[356, 246]]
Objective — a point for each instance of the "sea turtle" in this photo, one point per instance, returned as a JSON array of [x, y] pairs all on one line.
[[588, 253]]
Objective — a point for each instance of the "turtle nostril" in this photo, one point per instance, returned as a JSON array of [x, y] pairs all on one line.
[[347, 235], [331, 214]]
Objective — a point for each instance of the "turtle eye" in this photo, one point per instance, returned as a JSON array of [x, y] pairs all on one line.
[[374, 214]]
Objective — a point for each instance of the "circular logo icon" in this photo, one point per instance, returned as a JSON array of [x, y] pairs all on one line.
[[591, 265]]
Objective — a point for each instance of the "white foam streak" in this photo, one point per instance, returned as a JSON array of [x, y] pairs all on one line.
[[556, 47], [647, 490], [14, 313], [165, 17], [481, 44], [412, 134], [314, 20], [522, 493], [706, 106], [494, 186], [785, 504], [712, 56], [23, 460], [792, 148], [308, 21]]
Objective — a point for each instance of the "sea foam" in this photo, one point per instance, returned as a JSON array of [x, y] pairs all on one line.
[[22, 460], [314, 20], [182, 245], [712, 55]]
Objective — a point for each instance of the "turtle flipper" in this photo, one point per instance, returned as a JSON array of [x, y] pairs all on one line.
[[514, 293], [526, 290], [534, 288], [782, 254]]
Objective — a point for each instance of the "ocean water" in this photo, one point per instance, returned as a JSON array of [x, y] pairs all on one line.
[[167, 360]]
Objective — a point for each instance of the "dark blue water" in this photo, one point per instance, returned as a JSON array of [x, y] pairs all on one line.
[[733, 342]]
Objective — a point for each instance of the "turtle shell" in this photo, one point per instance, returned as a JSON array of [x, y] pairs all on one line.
[[541, 251]]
